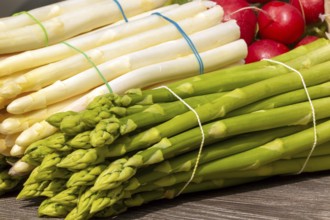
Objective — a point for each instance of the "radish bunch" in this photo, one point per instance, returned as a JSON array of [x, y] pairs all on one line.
[[273, 27]]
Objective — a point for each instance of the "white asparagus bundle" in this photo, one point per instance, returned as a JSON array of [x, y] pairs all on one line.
[[45, 75], [44, 13], [183, 67], [216, 58], [204, 40], [16, 123], [66, 26], [96, 38]]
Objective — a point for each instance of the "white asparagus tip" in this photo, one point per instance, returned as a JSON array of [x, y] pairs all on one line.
[[17, 150], [20, 168]]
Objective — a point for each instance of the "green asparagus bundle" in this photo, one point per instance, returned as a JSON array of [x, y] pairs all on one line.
[[127, 150]]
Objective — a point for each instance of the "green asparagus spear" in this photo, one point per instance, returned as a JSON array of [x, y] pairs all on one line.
[[85, 177], [299, 114], [46, 188], [211, 111], [234, 145], [8, 182], [68, 196], [53, 209]]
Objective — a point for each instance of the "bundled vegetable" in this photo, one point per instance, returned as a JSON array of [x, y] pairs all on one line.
[[60, 77], [63, 26], [93, 141], [127, 150]]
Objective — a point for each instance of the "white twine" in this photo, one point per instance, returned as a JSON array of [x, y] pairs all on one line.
[[202, 141], [312, 108]]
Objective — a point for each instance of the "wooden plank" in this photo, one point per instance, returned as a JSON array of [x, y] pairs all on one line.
[[304, 196]]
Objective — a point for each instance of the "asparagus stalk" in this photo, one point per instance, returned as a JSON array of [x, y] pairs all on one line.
[[8, 182], [216, 109], [68, 196], [37, 78], [86, 80], [65, 26], [235, 77], [187, 141], [315, 92], [47, 188], [216, 151], [48, 170], [310, 52], [107, 130], [48, 207], [279, 167], [21, 168], [85, 177], [271, 151], [93, 39], [17, 123], [43, 13]]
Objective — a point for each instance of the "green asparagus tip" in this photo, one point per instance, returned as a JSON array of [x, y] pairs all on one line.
[[80, 159], [57, 118]]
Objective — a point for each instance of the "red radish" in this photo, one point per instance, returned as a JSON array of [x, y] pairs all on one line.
[[246, 18], [311, 9], [258, 1], [281, 22], [265, 48], [306, 40]]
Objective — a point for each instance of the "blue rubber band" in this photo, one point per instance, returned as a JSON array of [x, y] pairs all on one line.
[[92, 63], [121, 10], [189, 41]]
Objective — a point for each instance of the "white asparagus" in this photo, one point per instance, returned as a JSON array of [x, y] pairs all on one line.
[[4, 102], [20, 168], [6, 143], [17, 123], [3, 115], [219, 57], [66, 26], [222, 56], [5, 79], [220, 34], [45, 75], [94, 39], [43, 13], [36, 132]]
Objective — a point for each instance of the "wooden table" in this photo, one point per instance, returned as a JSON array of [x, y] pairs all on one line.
[[305, 196]]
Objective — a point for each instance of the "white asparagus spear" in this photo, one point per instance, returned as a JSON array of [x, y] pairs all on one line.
[[216, 58], [94, 39], [20, 168], [213, 59], [45, 75], [17, 123], [3, 115], [6, 143], [43, 13], [204, 40], [68, 25]]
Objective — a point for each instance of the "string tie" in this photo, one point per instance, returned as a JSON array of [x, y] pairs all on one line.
[[312, 108], [202, 140], [39, 23]]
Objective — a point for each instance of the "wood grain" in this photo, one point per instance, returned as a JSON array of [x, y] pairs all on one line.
[[306, 196]]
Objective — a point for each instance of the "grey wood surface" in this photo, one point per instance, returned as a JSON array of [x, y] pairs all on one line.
[[305, 196]]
